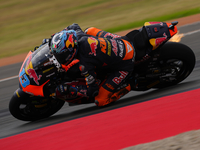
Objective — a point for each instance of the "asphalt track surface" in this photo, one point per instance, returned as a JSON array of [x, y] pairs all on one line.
[[9, 83]]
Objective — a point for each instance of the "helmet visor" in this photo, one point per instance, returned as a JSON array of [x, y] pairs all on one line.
[[63, 57]]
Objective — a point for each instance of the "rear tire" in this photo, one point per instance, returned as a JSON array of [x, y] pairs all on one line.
[[176, 55], [30, 108]]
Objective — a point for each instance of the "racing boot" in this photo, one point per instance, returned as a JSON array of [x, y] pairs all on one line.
[[106, 97], [117, 95]]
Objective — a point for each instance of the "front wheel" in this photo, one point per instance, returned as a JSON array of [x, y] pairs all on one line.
[[177, 61], [30, 108]]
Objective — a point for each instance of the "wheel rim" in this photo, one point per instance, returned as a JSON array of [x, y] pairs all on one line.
[[175, 70], [36, 108]]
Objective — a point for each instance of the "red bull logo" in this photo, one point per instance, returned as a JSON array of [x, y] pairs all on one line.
[[118, 80], [70, 41], [93, 45], [158, 41], [34, 76]]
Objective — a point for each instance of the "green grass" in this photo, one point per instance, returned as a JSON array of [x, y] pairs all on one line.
[[23, 24], [161, 18]]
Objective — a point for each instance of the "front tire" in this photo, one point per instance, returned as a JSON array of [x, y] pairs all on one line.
[[31, 108]]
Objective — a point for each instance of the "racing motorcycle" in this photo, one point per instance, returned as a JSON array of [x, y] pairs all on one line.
[[158, 63]]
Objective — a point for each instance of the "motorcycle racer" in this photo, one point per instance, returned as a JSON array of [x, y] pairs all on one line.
[[97, 51]]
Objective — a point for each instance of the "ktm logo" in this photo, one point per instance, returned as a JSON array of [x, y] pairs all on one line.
[[103, 45]]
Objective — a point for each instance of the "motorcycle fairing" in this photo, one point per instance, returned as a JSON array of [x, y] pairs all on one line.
[[34, 90], [159, 33], [36, 71], [172, 31]]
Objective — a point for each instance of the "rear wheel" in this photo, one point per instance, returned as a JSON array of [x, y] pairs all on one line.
[[30, 108], [177, 62]]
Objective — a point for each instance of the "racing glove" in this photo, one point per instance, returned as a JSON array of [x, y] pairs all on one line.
[[62, 89], [71, 91], [75, 27], [93, 88]]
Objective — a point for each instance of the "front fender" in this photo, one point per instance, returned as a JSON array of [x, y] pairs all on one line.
[[19, 94]]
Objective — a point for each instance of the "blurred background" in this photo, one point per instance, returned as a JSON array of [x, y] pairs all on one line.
[[23, 24]]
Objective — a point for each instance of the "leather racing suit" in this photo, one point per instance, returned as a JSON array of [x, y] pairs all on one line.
[[104, 52]]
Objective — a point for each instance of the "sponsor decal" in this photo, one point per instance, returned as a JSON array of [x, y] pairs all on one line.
[[55, 62], [114, 44], [111, 35], [152, 23], [161, 40], [90, 79], [110, 86], [70, 41], [47, 70], [120, 48], [32, 74], [158, 41], [161, 23], [129, 50], [93, 45], [155, 29], [109, 48], [30, 93], [103, 45], [28, 64], [48, 63], [50, 74], [82, 93], [118, 80], [17, 94], [129, 47], [23, 78]]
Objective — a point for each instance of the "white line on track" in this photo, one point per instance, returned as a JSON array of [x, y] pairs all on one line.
[[13, 77], [192, 32], [9, 78]]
